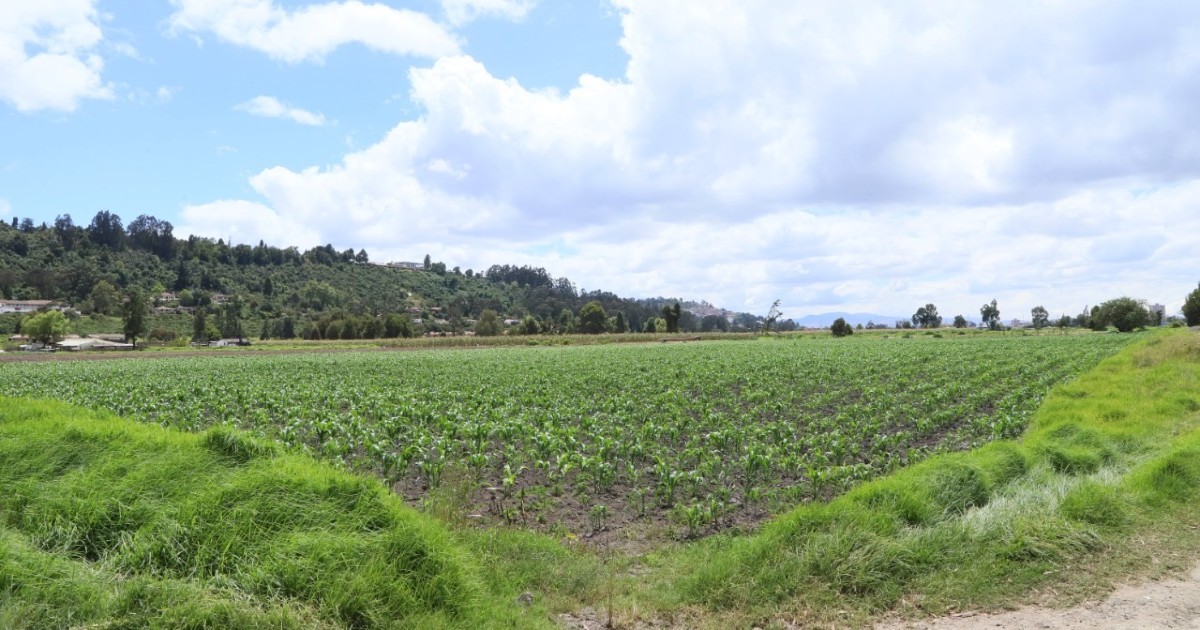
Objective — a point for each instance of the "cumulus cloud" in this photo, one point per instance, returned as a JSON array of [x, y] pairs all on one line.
[[47, 55], [460, 12], [270, 107], [242, 221], [313, 32], [842, 156]]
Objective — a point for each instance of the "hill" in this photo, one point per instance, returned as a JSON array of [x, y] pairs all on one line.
[[285, 292]]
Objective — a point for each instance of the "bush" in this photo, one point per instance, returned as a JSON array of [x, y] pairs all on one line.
[[1191, 308], [1124, 313], [841, 329]]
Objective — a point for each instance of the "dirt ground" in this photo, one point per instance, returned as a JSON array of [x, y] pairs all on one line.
[[1171, 603]]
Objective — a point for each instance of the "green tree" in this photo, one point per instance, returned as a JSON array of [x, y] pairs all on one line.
[[200, 326], [319, 295], [671, 315], [397, 325], [773, 316], [1124, 313], [619, 324], [592, 318], [134, 314], [990, 313], [960, 321], [104, 297], [927, 317], [840, 328], [489, 324], [46, 328], [1191, 307], [1040, 317], [529, 326]]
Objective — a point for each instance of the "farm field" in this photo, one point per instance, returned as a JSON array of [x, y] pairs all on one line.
[[607, 442]]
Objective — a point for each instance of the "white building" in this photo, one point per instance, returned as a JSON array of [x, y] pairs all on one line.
[[22, 306]]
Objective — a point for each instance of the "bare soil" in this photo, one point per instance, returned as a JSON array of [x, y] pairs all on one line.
[[1168, 603]]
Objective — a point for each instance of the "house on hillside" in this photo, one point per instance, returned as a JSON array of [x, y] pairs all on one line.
[[23, 306], [228, 343], [407, 266]]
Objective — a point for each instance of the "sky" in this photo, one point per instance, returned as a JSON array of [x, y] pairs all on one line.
[[841, 155]]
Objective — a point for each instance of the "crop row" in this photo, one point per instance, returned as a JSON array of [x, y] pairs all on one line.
[[707, 434]]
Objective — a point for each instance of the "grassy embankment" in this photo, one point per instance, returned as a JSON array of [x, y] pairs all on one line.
[[109, 523], [105, 520]]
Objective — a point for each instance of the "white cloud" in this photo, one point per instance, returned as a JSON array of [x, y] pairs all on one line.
[[241, 221], [462, 11], [313, 32], [270, 107], [841, 156], [47, 54]]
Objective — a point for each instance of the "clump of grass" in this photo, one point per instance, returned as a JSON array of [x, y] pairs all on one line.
[[106, 521]]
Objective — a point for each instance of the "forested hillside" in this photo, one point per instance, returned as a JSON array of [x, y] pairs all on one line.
[[244, 289]]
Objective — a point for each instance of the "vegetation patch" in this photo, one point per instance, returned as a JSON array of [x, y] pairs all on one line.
[[663, 440], [106, 521]]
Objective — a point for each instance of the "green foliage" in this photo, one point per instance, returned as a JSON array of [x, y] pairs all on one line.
[[841, 329], [927, 317], [975, 528], [756, 436], [489, 324], [960, 321], [46, 327], [1041, 317], [162, 529], [592, 318], [134, 312], [1191, 307], [990, 313], [104, 298], [1125, 314]]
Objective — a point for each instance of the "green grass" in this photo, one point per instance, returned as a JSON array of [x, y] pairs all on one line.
[[1114, 453], [107, 521]]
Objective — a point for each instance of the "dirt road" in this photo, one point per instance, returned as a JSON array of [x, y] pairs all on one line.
[[1154, 604]]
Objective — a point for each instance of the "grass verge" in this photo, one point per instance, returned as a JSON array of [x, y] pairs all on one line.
[[107, 522]]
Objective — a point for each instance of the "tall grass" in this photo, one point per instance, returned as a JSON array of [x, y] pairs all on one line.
[[106, 521]]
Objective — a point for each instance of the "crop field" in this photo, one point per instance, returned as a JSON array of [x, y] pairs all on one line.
[[684, 439]]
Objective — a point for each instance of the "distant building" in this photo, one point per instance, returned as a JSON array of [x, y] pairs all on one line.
[[23, 306], [1158, 314], [407, 266]]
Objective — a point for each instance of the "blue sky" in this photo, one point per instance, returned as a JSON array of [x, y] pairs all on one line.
[[853, 156]]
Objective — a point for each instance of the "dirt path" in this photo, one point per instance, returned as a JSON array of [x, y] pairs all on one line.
[[1155, 604]]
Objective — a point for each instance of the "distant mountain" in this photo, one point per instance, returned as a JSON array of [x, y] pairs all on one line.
[[824, 320]]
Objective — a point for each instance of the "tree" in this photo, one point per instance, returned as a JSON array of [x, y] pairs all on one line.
[[710, 323], [104, 297], [1040, 317], [960, 321], [1124, 313], [619, 323], [592, 318], [200, 326], [106, 230], [489, 324], [1191, 308], [927, 317], [840, 328], [990, 314], [671, 315], [46, 328], [773, 316], [428, 263], [397, 325], [133, 314]]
